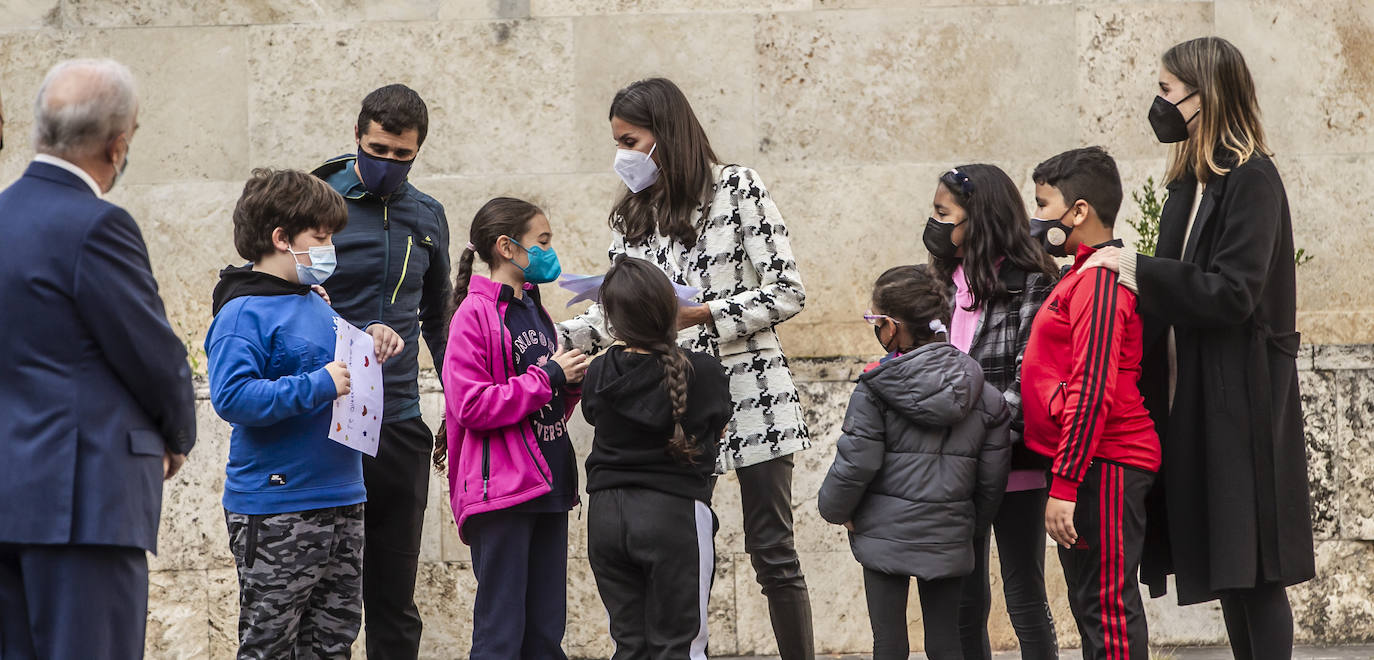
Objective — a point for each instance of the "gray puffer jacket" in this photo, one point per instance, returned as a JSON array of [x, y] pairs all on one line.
[[922, 460]]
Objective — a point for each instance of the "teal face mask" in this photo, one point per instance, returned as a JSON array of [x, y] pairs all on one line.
[[543, 267]]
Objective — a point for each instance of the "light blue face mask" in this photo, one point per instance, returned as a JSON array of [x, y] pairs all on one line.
[[322, 263], [543, 266]]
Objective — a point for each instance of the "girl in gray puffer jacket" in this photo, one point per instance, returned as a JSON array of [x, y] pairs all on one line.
[[922, 463]]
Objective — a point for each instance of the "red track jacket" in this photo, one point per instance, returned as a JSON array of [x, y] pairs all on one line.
[[1080, 379]]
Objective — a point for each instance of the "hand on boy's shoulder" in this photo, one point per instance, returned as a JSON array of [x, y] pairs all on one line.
[[323, 294], [1108, 257]]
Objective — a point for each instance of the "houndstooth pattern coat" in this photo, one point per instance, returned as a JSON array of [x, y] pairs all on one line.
[[743, 264]]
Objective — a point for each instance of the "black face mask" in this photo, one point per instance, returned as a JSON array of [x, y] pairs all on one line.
[[1052, 235], [1168, 121], [937, 238], [878, 334]]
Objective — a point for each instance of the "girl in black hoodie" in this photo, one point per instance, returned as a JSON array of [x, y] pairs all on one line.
[[659, 412]]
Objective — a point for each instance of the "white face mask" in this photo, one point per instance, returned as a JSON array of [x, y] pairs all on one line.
[[322, 263], [636, 168]]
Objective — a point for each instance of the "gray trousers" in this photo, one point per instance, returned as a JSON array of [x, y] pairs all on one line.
[[766, 498], [300, 582]]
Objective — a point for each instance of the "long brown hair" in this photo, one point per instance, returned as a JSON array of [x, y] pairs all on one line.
[[641, 310], [1230, 115], [998, 228], [502, 216], [685, 159]]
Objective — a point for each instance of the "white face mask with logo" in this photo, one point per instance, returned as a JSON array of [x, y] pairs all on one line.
[[636, 168]]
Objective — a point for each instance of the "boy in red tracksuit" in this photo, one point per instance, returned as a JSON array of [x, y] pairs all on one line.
[[1083, 408]]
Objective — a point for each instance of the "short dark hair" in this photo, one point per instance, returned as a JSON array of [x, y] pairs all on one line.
[[293, 200], [1088, 174], [395, 108]]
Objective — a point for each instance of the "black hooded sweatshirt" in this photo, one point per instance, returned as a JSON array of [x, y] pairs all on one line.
[[237, 281], [624, 398]]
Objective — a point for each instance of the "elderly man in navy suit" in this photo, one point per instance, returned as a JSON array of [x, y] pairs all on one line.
[[96, 402]]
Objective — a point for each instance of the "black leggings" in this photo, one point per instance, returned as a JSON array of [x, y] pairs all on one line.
[[1259, 622], [887, 595], [1020, 527]]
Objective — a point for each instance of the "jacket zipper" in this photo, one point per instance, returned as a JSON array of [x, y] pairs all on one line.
[[386, 257], [1049, 405], [410, 241], [486, 465], [509, 361]]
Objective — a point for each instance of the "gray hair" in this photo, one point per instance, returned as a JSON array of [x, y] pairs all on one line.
[[82, 105]]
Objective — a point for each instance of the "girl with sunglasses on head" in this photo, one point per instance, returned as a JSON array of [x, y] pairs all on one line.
[[920, 466], [981, 249]]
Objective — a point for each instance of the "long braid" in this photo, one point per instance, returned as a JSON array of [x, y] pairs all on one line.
[[676, 372]]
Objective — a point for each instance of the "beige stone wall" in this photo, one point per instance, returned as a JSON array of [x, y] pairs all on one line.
[[193, 605], [848, 108]]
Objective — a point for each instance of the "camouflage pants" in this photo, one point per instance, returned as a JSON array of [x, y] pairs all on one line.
[[300, 582]]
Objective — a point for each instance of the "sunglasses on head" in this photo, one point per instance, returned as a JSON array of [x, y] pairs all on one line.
[[958, 180], [877, 319]]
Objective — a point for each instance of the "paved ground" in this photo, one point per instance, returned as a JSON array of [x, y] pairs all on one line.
[[1300, 653]]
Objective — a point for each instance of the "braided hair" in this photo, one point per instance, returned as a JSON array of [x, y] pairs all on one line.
[[915, 296], [641, 311], [502, 216]]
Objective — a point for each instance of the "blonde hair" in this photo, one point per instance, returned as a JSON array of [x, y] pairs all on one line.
[[1229, 118]]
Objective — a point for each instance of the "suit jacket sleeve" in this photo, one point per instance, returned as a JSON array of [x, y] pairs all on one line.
[[587, 331], [858, 457], [780, 294], [1226, 293], [437, 292], [117, 299]]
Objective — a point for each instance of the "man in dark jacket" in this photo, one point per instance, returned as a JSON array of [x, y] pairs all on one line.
[[393, 268], [96, 393]]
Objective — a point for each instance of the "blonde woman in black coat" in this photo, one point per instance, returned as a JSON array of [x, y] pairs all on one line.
[[1220, 373]]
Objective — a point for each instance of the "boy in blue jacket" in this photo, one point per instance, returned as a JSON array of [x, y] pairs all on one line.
[[293, 498]]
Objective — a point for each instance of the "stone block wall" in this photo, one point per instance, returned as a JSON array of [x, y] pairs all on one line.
[[194, 604], [848, 108]]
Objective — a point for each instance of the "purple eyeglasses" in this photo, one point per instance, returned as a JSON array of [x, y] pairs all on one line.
[[874, 319]]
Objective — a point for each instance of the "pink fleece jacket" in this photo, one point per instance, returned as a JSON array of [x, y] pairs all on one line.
[[494, 459]]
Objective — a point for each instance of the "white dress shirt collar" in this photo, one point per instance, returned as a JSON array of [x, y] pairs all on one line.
[[66, 165]]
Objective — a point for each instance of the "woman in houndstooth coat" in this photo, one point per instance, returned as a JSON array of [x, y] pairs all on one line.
[[714, 227]]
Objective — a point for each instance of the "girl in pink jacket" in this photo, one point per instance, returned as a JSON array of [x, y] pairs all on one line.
[[508, 392]]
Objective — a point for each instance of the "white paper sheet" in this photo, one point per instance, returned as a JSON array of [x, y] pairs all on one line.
[[357, 421], [588, 287]]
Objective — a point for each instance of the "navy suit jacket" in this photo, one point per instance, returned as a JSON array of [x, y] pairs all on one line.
[[94, 385]]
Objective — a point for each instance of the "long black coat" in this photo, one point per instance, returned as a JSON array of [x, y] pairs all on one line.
[[1231, 507]]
